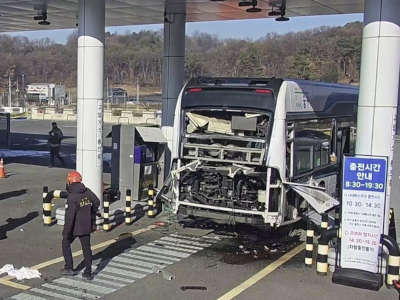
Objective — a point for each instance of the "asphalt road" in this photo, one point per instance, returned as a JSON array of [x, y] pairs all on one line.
[[205, 261]]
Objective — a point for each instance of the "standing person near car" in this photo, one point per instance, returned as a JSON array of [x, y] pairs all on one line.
[[81, 205], [55, 137]]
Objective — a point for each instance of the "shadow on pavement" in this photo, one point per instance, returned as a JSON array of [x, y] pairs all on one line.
[[7, 195], [125, 241], [32, 149], [16, 222]]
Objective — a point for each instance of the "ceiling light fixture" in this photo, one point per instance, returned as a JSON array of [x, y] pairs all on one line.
[[245, 3], [253, 9], [282, 18], [42, 18]]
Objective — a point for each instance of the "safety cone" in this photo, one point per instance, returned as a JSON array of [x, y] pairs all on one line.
[[2, 171]]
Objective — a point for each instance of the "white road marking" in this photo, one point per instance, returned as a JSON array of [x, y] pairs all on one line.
[[108, 282], [192, 238], [52, 294], [135, 262], [181, 245], [81, 293], [116, 278], [149, 259], [130, 267], [83, 285], [183, 241], [121, 270], [125, 273], [164, 251], [164, 245], [145, 253], [24, 296]]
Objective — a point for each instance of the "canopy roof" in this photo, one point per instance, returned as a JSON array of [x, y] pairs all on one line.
[[17, 15]]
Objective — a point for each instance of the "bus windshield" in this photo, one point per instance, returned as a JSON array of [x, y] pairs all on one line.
[[227, 123]]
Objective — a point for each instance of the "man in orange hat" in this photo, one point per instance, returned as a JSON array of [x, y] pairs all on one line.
[[81, 205]]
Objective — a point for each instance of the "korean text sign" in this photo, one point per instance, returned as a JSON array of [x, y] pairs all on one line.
[[363, 211]]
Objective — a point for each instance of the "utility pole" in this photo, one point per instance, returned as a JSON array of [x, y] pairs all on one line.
[[108, 95], [137, 90], [9, 90], [17, 92]]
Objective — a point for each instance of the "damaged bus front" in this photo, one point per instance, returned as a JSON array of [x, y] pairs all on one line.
[[230, 152]]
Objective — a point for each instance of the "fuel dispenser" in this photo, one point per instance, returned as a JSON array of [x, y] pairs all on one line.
[[137, 159]]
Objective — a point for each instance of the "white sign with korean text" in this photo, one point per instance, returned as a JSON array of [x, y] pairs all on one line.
[[363, 211]]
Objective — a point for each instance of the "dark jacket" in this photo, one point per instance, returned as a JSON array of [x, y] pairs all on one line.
[[82, 205], [55, 137]]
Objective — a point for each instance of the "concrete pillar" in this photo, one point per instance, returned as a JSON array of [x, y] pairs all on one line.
[[379, 85], [89, 150], [173, 69]]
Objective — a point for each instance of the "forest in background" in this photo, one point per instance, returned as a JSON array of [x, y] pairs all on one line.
[[330, 54]]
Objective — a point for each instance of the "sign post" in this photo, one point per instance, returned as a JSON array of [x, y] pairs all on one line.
[[363, 214]]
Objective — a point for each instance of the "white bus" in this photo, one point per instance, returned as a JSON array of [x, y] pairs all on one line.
[[262, 151]]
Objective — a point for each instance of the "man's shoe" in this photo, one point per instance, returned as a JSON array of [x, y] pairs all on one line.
[[68, 272], [87, 277]]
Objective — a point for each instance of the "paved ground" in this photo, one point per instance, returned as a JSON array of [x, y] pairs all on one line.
[[206, 259]]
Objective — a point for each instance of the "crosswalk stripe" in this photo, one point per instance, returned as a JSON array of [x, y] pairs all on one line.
[[163, 245], [122, 269], [130, 267], [84, 285], [192, 238], [135, 262], [25, 296], [81, 293], [108, 282], [123, 272], [145, 253], [164, 251], [52, 294], [180, 245], [149, 259], [183, 241], [113, 277]]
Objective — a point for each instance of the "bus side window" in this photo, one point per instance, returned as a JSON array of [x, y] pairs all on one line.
[[304, 159]]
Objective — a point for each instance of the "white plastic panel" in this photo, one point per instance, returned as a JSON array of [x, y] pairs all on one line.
[[90, 72], [364, 130], [368, 71], [89, 115], [383, 131], [388, 71]]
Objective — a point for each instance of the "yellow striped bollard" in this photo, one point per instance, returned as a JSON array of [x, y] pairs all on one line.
[[46, 206], [151, 212], [323, 249], [128, 207], [393, 263], [309, 245], [106, 213], [392, 269], [337, 217]]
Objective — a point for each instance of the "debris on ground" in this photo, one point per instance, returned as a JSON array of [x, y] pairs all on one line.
[[251, 245], [20, 274], [166, 275], [193, 287]]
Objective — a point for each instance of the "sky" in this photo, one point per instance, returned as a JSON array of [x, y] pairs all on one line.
[[243, 29]]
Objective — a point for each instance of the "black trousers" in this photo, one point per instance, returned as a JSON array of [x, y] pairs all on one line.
[[87, 252], [55, 152]]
